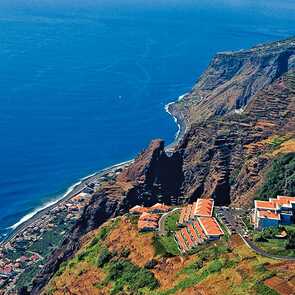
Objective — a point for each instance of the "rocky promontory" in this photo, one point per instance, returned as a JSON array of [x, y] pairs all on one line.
[[233, 78]]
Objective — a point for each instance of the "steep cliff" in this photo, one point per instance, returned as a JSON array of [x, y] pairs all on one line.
[[233, 78], [225, 157], [235, 115], [152, 177]]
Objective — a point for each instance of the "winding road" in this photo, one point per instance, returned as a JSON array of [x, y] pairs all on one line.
[[259, 251], [162, 231]]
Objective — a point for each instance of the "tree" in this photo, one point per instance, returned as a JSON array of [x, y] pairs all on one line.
[[291, 241]]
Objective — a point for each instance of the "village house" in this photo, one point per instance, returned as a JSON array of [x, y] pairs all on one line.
[[149, 217], [210, 227], [137, 210], [148, 222], [274, 212], [159, 208]]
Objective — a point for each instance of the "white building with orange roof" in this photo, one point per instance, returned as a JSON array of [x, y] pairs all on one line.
[[204, 207], [159, 208], [200, 208], [146, 225], [210, 227], [138, 210], [272, 213]]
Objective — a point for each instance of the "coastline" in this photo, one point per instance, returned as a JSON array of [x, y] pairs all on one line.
[[182, 128], [84, 182], [73, 190]]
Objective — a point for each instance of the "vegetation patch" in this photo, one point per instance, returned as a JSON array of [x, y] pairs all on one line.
[[125, 276], [280, 179], [165, 246], [91, 254], [270, 240], [277, 141], [262, 289], [104, 257], [171, 222]]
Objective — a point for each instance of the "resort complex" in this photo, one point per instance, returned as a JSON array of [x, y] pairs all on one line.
[[149, 216], [198, 225], [274, 212], [196, 222]]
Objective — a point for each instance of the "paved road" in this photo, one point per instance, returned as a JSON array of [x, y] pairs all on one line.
[[258, 250], [162, 221], [234, 222]]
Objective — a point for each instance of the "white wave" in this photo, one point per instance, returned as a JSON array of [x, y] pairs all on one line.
[[69, 190], [174, 118], [46, 205]]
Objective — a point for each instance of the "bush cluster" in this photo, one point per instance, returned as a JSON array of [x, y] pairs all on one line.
[[280, 179], [123, 274], [104, 257]]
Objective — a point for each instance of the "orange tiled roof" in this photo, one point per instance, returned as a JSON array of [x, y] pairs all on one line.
[[193, 233], [194, 207], [149, 217], [142, 224], [138, 209], [199, 230], [182, 215], [188, 238], [284, 200], [281, 202], [265, 205], [204, 207], [210, 226], [268, 214], [160, 207], [188, 213], [181, 241], [290, 199]]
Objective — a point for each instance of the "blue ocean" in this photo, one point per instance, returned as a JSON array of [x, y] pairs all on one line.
[[83, 84]]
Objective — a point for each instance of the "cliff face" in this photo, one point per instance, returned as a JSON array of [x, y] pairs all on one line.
[[233, 78], [153, 177], [225, 157], [224, 153]]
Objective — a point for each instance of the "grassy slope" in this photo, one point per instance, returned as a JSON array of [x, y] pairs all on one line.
[[280, 179], [222, 267]]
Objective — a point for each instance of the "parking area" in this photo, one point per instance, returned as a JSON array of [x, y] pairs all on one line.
[[232, 219]]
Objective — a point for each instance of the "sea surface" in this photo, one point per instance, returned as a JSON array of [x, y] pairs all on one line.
[[83, 84]]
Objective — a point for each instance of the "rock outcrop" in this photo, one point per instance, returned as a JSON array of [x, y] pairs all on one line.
[[233, 78], [152, 177], [224, 157], [223, 154]]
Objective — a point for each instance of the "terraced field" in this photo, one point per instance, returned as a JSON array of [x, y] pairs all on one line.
[[112, 257]]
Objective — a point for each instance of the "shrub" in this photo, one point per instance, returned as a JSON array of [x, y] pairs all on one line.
[[124, 274], [215, 266], [291, 241], [165, 246], [151, 264], [262, 289], [280, 179], [103, 233], [104, 257], [125, 253]]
